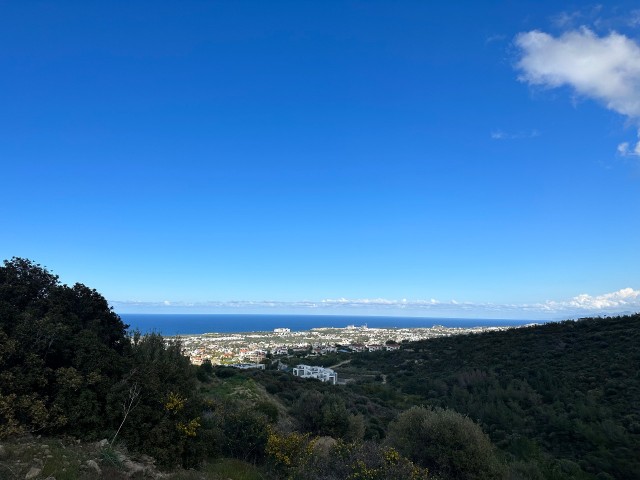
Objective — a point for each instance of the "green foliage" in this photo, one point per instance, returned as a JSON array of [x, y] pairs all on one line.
[[166, 421], [325, 409], [447, 443], [205, 371], [357, 461], [244, 432], [67, 366], [61, 350], [547, 394], [327, 414], [288, 452], [268, 409], [233, 469]]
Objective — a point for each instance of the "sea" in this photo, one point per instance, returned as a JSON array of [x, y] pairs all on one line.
[[193, 324]]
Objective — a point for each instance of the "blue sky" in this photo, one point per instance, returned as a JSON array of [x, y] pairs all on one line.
[[412, 158]]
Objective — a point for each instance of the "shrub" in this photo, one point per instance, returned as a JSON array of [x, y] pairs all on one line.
[[445, 442]]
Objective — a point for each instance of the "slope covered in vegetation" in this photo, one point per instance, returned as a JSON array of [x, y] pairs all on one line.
[[558, 400], [565, 395], [68, 366]]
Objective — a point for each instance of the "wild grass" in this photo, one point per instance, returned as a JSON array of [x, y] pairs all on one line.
[[234, 469]]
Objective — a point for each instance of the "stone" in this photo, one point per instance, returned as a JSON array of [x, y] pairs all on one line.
[[133, 468], [3, 452], [323, 445], [94, 466], [102, 443], [33, 473]]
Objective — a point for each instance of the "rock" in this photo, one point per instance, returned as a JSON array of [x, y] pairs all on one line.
[[94, 466], [33, 473], [102, 443], [3, 452], [38, 462], [133, 468], [323, 445]]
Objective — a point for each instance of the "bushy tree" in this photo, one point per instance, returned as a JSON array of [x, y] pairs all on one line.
[[445, 442], [67, 365], [166, 420], [61, 351], [326, 414], [356, 461]]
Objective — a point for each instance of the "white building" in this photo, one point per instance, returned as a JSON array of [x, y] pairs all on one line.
[[322, 374], [247, 366]]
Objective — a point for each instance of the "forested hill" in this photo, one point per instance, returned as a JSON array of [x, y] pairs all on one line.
[[568, 391]]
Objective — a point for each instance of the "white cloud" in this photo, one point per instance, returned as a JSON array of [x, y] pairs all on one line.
[[627, 150], [502, 135], [565, 19], [621, 301], [626, 298], [606, 69], [495, 38]]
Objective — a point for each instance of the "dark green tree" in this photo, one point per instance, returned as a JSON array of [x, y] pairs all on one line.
[[61, 351], [446, 443]]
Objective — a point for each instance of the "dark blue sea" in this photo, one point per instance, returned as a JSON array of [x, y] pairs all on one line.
[[187, 324]]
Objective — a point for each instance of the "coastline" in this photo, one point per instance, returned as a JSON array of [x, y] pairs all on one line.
[[234, 348], [198, 324]]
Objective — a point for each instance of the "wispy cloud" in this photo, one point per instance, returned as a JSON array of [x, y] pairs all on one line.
[[566, 19], [606, 69], [495, 38], [502, 135], [624, 300], [570, 19], [626, 149]]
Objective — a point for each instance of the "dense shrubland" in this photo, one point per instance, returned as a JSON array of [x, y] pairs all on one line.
[[555, 401], [560, 400]]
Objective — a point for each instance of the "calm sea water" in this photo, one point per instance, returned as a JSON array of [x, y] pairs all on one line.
[[186, 324]]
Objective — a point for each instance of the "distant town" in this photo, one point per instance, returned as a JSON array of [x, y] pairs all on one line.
[[252, 348]]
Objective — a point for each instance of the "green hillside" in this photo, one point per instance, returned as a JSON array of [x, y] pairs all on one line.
[[566, 394], [560, 400]]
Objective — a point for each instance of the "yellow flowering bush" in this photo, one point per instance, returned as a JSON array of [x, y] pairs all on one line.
[[289, 450], [189, 429], [174, 403]]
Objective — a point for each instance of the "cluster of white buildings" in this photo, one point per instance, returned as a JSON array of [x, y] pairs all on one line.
[[253, 347], [321, 373]]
